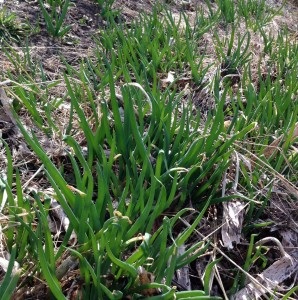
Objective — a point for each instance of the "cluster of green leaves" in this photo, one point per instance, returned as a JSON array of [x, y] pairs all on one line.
[[227, 9], [146, 153], [55, 14], [106, 10], [55, 17], [256, 13], [233, 59], [10, 27], [136, 56]]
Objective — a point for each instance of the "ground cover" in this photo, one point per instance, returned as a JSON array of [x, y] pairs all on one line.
[[148, 149]]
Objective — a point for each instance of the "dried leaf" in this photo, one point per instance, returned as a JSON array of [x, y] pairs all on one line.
[[6, 102], [61, 216], [183, 274], [233, 214], [170, 78], [167, 81], [290, 241], [278, 272], [145, 277], [4, 265], [233, 211]]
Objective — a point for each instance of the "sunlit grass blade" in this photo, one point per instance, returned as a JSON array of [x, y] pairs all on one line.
[[11, 278], [207, 276]]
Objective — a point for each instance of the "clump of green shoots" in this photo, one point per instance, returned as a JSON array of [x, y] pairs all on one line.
[[256, 14], [10, 28], [106, 10], [55, 17]]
